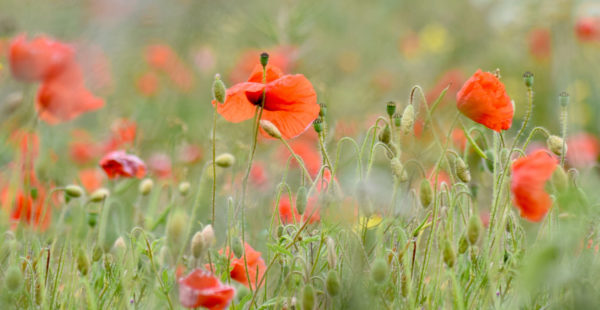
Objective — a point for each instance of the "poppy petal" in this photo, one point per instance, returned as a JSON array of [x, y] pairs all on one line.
[[237, 107]]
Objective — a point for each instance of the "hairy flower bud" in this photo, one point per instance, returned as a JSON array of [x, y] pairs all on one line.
[[379, 271], [236, 247], [308, 298], [463, 244], [225, 160], [198, 245], [119, 247], [301, 199], [385, 136], [332, 283], [218, 89], [270, 128], [462, 171], [13, 279], [448, 254], [146, 186], [184, 188], [73, 191], [474, 229], [83, 263], [560, 179], [426, 193], [99, 195], [176, 227], [398, 170], [408, 119], [555, 144], [208, 234]]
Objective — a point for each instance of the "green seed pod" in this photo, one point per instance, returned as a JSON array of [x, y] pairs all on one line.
[[322, 109], [462, 171], [560, 179], [563, 99], [528, 79], [555, 144], [426, 193], [83, 263], [379, 271], [391, 108], [301, 199], [386, 135], [408, 119], [474, 229], [398, 170], [463, 244], [397, 120], [218, 89], [236, 246], [73, 191], [264, 59], [270, 129], [13, 279], [225, 160], [308, 298], [448, 254], [333, 283], [280, 231], [99, 195], [176, 227], [92, 219], [184, 188], [318, 125], [146, 186]]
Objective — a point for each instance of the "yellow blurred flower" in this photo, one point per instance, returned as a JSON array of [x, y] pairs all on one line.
[[434, 38], [370, 222]]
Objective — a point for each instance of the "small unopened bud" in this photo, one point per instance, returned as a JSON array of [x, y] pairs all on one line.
[[555, 144], [560, 179], [308, 297], [219, 90], [331, 255], [463, 244], [119, 247], [236, 247], [73, 191], [391, 108], [301, 199], [462, 171], [318, 125], [99, 195], [83, 263], [398, 170], [208, 233], [270, 128], [379, 271], [13, 279], [385, 136], [184, 188], [146, 186], [198, 245], [448, 254], [225, 160], [264, 59], [426, 193], [563, 99], [474, 228], [332, 283], [322, 109], [408, 119], [528, 78], [176, 228]]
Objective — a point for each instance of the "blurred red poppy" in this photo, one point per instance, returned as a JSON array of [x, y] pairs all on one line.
[[484, 100], [123, 133], [459, 139], [82, 149], [148, 84], [164, 59], [39, 58], [256, 267], [30, 208], [289, 214], [306, 150], [452, 79], [91, 179], [200, 288], [119, 163], [540, 43], [190, 153], [529, 175], [588, 28], [160, 165], [290, 101], [582, 150]]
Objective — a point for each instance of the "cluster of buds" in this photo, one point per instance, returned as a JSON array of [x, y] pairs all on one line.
[[202, 241]]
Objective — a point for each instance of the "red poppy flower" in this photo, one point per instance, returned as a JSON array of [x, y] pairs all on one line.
[[91, 179], [256, 267], [540, 43], [582, 149], [307, 151], [484, 100], [289, 214], [258, 175], [200, 288], [588, 28], [529, 175], [27, 208], [290, 101], [119, 163], [148, 84], [39, 58], [283, 57], [123, 132]]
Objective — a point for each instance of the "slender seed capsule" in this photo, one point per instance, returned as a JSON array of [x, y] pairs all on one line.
[[219, 90], [270, 129], [146, 186], [225, 160], [405, 285], [322, 109], [474, 228], [74, 191], [408, 119], [462, 171], [332, 283], [301, 199], [449, 254], [397, 120], [391, 108], [563, 99], [379, 271], [426, 193], [555, 144], [308, 297], [264, 59]]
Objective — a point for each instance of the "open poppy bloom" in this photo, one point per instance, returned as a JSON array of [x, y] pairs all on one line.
[[256, 267], [200, 288], [290, 101], [37, 59], [119, 163], [583, 150], [484, 100], [529, 175]]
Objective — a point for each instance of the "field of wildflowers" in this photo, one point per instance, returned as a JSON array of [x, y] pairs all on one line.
[[299, 154]]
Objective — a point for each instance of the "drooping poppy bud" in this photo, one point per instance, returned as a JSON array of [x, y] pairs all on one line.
[[83, 263], [301, 200], [408, 119], [184, 188], [308, 297], [448, 254], [73, 191], [555, 144], [474, 229], [379, 271], [225, 160], [398, 170], [385, 135], [146, 186], [13, 279], [332, 283], [426, 193], [462, 171], [99, 195], [270, 128]]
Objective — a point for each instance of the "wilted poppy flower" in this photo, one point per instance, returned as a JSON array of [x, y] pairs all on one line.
[[200, 288], [529, 175], [39, 58], [484, 100], [256, 267], [119, 163], [582, 149], [588, 28], [540, 43], [290, 101]]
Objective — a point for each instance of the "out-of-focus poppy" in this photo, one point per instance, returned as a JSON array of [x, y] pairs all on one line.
[[123, 133], [529, 175], [28, 207], [459, 139], [160, 165], [190, 153], [588, 28], [453, 79], [540, 43], [119, 163], [307, 151], [258, 175], [200, 288], [283, 57], [582, 149], [164, 59], [39, 58], [256, 267], [289, 214], [484, 100], [82, 149], [91, 179], [147, 84], [290, 101]]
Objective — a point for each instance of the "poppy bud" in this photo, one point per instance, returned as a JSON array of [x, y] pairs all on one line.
[[332, 283], [397, 120], [176, 228], [99, 195], [391, 108], [379, 271], [218, 89], [198, 245], [448, 254], [463, 244], [560, 179], [184, 188], [236, 247], [270, 128], [563, 99], [318, 125], [474, 228], [225, 160], [146, 186], [462, 171], [83, 263], [119, 247], [301, 199], [308, 297], [528, 78], [322, 109], [426, 193], [489, 162], [73, 191], [280, 231], [331, 256], [13, 279], [398, 169], [555, 144], [264, 59], [96, 253], [208, 234], [408, 119], [386, 135]]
